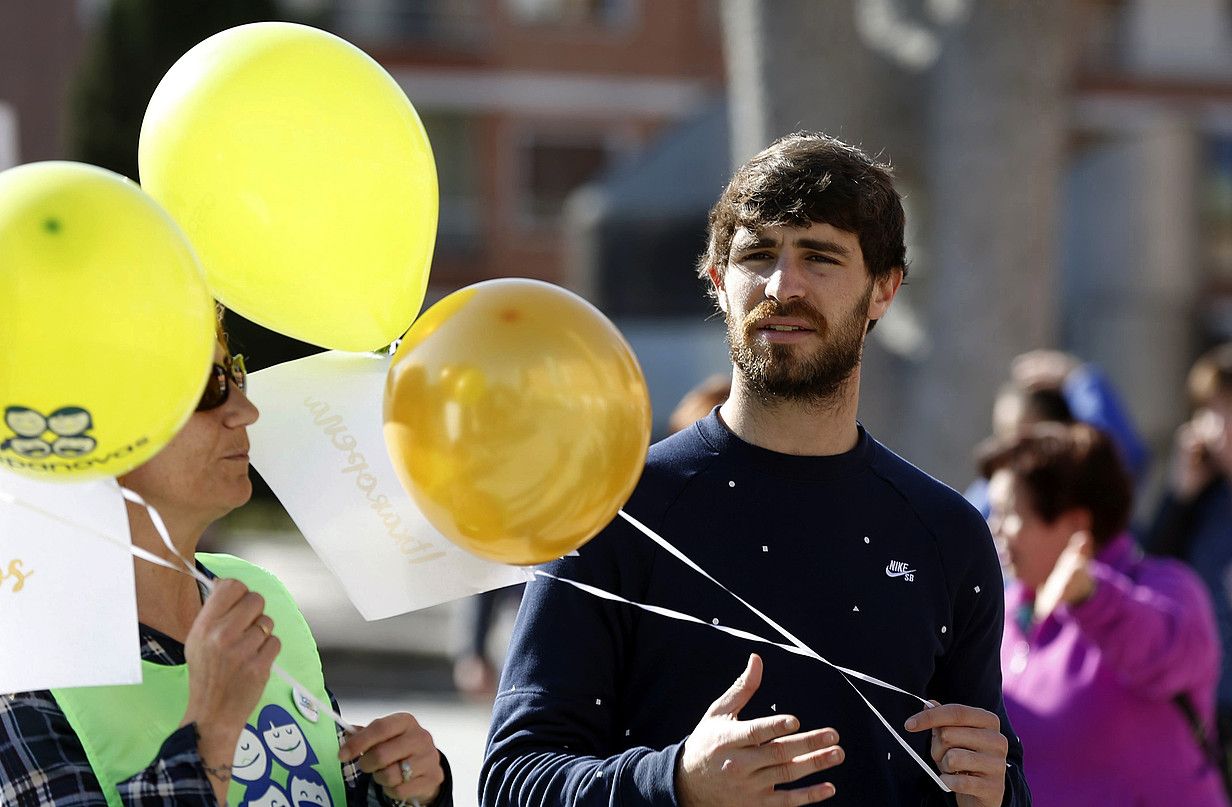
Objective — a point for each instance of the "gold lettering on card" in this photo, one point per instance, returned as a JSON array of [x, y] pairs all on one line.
[[14, 576]]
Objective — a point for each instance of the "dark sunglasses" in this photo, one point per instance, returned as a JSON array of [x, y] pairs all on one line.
[[218, 386]]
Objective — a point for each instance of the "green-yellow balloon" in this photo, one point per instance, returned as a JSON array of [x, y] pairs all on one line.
[[107, 324], [304, 179]]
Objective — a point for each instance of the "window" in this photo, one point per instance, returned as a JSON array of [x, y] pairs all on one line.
[[551, 168], [606, 13], [394, 22], [453, 138]]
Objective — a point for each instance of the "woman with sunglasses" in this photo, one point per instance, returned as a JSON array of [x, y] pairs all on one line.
[[209, 724]]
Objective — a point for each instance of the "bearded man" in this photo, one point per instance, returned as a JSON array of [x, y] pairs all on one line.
[[784, 498]]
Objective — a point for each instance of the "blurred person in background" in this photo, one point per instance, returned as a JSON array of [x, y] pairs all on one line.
[[1194, 520], [475, 673], [698, 402], [1110, 659], [1051, 386]]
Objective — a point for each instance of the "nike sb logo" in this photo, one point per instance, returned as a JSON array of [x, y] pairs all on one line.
[[897, 568]]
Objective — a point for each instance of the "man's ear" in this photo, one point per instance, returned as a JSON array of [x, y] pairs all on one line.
[[720, 293], [884, 289]]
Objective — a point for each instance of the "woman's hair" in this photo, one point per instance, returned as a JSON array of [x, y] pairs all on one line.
[[1067, 466], [219, 331]]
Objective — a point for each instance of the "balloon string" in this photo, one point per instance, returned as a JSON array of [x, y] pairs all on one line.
[[184, 567], [801, 647], [805, 649]]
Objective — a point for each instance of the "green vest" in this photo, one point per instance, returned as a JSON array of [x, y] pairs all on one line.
[[287, 755]]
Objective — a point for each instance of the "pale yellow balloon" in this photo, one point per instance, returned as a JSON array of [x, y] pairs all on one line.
[[108, 328], [517, 418], [303, 177]]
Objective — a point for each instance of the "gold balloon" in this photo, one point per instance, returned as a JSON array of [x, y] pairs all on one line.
[[517, 418]]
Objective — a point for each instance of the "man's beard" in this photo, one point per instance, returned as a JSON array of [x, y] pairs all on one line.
[[773, 373]]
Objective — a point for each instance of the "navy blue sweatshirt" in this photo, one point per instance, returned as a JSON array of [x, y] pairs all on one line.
[[869, 561]]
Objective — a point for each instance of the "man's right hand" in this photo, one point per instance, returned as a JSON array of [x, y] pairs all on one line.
[[230, 650], [728, 761]]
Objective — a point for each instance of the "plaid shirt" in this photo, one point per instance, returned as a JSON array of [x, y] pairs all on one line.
[[43, 764]]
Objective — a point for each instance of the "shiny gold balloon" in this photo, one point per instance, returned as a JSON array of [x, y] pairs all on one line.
[[517, 418]]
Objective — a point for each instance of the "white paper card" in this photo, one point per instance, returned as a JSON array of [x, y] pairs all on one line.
[[68, 603], [319, 444]]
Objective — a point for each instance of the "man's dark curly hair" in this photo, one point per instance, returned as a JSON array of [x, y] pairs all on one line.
[[806, 178]]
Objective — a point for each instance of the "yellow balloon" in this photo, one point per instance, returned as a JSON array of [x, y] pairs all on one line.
[[517, 418], [304, 179], [108, 328]]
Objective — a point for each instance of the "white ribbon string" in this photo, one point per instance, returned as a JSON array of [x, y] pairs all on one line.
[[797, 646], [806, 650], [668, 612]]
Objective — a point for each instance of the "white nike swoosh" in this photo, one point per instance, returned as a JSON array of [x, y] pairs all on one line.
[[899, 574]]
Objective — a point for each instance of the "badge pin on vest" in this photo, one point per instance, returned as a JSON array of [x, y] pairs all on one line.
[[303, 703]]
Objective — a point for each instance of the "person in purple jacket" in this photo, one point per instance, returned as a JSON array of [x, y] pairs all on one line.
[[1110, 659]]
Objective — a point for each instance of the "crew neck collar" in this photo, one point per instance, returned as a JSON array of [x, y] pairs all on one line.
[[719, 437]]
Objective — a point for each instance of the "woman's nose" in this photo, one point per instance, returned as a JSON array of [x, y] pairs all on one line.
[[240, 410]]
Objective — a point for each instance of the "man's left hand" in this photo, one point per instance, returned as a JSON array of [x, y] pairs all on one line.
[[400, 755], [969, 750]]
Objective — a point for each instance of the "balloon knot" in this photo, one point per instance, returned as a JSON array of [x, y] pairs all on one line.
[[52, 226]]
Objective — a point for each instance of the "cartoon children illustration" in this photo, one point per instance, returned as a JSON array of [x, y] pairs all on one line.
[[265, 794], [24, 422], [284, 738], [251, 763], [70, 424], [28, 426], [69, 421], [308, 789]]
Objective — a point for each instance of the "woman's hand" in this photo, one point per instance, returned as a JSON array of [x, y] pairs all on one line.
[[1070, 581], [400, 755], [230, 649]]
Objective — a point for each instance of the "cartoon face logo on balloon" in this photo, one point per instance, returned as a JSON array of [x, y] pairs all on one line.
[[308, 789], [284, 738], [251, 762], [68, 424], [28, 427], [271, 795]]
